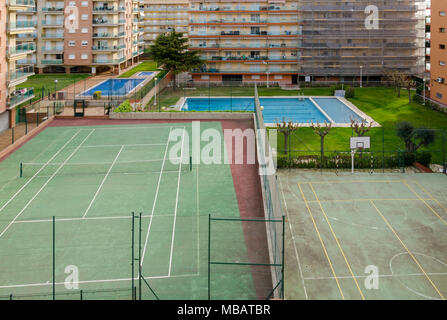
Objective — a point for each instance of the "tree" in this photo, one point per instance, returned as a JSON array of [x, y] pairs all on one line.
[[396, 77], [287, 128], [172, 51], [414, 138], [408, 83], [361, 127], [322, 131]]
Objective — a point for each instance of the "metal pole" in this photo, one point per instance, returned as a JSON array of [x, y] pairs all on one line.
[[444, 164], [139, 257], [54, 258], [423, 90], [12, 135], [282, 262], [209, 257], [133, 254], [361, 75]]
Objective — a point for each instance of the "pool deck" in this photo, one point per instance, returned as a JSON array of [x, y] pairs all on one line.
[[178, 106]]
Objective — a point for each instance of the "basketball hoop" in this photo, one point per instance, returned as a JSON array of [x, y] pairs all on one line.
[[358, 144]]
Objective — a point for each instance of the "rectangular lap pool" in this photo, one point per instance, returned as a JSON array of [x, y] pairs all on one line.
[[114, 87], [301, 110]]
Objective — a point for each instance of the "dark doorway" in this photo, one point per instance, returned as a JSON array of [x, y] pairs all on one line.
[[232, 78]]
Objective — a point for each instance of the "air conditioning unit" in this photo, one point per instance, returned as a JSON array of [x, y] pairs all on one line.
[[440, 80]]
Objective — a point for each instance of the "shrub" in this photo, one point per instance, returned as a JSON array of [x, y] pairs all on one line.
[[350, 93], [124, 107], [97, 95], [424, 158]]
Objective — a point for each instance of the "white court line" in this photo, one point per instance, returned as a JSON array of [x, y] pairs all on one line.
[[176, 200], [155, 201], [126, 145], [379, 275], [198, 221], [43, 284], [293, 240], [119, 127], [20, 190], [102, 183], [45, 184], [88, 218]]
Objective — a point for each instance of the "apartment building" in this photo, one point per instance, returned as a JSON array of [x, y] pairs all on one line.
[[438, 51], [289, 40], [248, 41], [14, 46], [87, 35], [161, 16]]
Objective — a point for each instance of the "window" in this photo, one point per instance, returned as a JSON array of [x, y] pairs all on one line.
[[84, 17], [84, 56], [442, 13], [71, 43], [71, 56], [72, 4], [442, 30], [84, 43], [442, 46], [442, 63], [438, 95], [278, 77], [84, 30], [256, 77], [84, 4], [205, 77]]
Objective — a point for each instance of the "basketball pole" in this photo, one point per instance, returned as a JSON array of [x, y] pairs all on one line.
[[352, 160]]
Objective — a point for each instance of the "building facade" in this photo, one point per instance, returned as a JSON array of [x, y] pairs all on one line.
[[438, 51], [161, 16], [15, 46], [87, 35], [286, 41]]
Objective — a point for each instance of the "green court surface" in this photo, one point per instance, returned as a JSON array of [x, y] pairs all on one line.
[[344, 229], [91, 179]]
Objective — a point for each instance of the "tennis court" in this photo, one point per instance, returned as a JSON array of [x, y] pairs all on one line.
[[345, 228], [91, 178]]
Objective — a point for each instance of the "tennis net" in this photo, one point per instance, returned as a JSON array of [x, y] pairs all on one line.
[[122, 167]]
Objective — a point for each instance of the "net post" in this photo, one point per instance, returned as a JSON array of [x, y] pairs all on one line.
[[21, 169], [54, 256], [10, 296], [139, 257], [190, 163], [283, 254], [209, 257], [133, 255], [81, 295]]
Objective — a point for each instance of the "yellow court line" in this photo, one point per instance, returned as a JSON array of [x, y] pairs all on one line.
[[409, 252], [349, 181], [338, 242], [322, 243], [428, 206], [432, 197]]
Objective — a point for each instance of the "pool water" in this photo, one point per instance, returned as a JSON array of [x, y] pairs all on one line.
[[277, 109], [145, 74], [114, 87]]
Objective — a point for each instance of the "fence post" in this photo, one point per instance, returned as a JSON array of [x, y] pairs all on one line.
[[133, 255], [139, 257], [54, 258], [282, 262], [12, 135], [209, 257]]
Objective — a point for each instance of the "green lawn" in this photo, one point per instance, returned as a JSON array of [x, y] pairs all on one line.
[[387, 109], [46, 81], [144, 66]]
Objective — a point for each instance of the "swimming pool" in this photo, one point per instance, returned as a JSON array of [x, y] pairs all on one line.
[[145, 74], [114, 87], [301, 110]]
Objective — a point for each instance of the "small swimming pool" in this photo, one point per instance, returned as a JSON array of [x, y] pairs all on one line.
[[301, 110], [114, 87], [145, 74]]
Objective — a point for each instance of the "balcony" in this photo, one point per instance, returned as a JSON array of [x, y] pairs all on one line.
[[20, 96], [46, 23], [109, 61], [16, 76], [53, 49], [51, 61], [53, 36], [105, 10], [21, 26], [53, 10], [107, 48], [20, 49], [19, 4]]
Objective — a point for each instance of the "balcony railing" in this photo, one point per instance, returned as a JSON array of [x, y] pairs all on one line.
[[21, 48], [53, 35], [20, 96], [53, 9], [52, 23], [21, 2], [20, 73], [52, 61], [21, 25], [52, 49]]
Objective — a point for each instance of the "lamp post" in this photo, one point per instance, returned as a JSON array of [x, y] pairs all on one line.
[[361, 75], [55, 88], [423, 79]]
